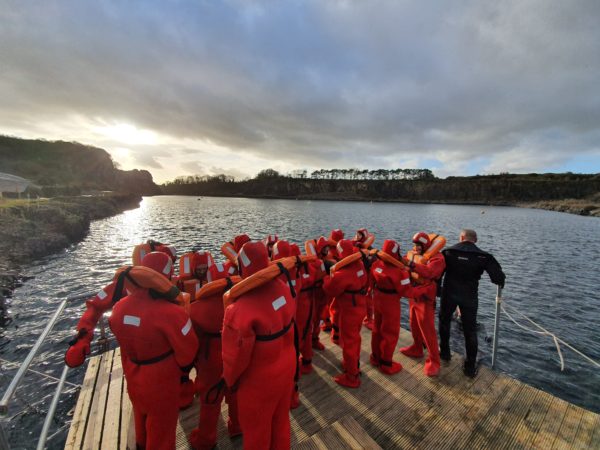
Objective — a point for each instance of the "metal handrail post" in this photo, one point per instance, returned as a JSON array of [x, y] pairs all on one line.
[[44, 436], [25, 365], [496, 326]]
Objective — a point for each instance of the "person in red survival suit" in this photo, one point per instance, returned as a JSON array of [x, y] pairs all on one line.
[[331, 322], [207, 318], [283, 249], [259, 357], [359, 242], [157, 342], [320, 299], [348, 285], [193, 268], [103, 301], [270, 241], [389, 284], [422, 311]]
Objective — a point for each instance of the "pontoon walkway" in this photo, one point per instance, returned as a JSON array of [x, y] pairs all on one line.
[[407, 410]]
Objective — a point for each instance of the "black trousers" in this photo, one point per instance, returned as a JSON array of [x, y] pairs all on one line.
[[469, 322]]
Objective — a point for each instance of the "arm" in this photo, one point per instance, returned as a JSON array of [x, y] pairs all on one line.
[[433, 269], [237, 346], [179, 331], [495, 272]]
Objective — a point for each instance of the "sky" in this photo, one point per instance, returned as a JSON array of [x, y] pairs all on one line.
[[207, 87]]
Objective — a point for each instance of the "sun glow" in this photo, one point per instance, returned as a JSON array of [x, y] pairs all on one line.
[[128, 134]]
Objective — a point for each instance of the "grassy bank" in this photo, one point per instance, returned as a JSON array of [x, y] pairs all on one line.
[[30, 230]]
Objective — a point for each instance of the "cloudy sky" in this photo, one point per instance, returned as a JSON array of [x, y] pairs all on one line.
[[206, 87]]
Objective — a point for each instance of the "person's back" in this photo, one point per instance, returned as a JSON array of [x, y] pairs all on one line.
[[465, 263], [259, 358]]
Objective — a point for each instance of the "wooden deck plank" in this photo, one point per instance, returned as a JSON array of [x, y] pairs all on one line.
[[406, 410], [84, 402], [93, 438], [111, 435]]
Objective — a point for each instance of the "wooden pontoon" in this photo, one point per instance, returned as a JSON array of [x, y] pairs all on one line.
[[407, 410]]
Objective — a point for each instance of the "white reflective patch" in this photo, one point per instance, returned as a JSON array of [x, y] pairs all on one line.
[[128, 291], [423, 240], [186, 265], [231, 270], [405, 281], [102, 294], [323, 267], [293, 282], [208, 276], [339, 248], [186, 329], [395, 249], [306, 275], [313, 251], [219, 267], [279, 302], [245, 260], [142, 254], [167, 269], [132, 320], [173, 250], [379, 270], [275, 251], [360, 273], [231, 252]]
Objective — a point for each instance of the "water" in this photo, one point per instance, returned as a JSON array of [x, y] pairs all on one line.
[[549, 259]]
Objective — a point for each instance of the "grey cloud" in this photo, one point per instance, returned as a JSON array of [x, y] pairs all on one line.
[[322, 83]]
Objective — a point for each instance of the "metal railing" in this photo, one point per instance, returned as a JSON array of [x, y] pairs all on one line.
[[24, 367]]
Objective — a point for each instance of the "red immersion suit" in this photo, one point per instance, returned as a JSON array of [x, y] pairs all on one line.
[[422, 315], [332, 322], [259, 358], [389, 284], [207, 318], [157, 341], [348, 287]]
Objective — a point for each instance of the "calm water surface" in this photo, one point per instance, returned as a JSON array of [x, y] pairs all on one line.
[[550, 260]]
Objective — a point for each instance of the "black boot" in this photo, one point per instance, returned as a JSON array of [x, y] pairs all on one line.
[[470, 369]]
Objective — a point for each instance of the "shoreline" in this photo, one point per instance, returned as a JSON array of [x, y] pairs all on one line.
[[30, 230]]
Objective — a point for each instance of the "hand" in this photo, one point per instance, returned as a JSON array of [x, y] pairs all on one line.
[[76, 353]]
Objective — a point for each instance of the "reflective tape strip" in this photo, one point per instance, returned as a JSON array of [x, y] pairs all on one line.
[[168, 267], [186, 329], [405, 281], [132, 320], [186, 265], [219, 267], [142, 254], [197, 288], [208, 276], [172, 249], [275, 250], [231, 270], [395, 249], [323, 267], [312, 249], [423, 240], [102, 294], [379, 270], [231, 252], [245, 260], [360, 273], [293, 282], [339, 248], [279, 302], [306, 275]]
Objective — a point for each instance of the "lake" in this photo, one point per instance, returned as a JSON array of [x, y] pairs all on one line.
[[549, 259]]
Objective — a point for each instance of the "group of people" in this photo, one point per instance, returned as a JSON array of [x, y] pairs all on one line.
[[249, 325]]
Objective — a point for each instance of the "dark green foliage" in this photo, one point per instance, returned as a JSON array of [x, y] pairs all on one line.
[[69, 168]]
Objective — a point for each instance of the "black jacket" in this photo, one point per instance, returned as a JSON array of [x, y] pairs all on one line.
[[465, 263]]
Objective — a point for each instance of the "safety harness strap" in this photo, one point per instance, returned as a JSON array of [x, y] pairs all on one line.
[[147, 362], [271, 337]]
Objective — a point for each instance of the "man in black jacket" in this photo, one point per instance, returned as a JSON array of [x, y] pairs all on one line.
[[465, 263]]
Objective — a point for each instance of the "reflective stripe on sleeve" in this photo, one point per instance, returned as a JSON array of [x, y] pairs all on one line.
[[186, 329], [102, 294], [279, 302], [405, 281], [131, 320]]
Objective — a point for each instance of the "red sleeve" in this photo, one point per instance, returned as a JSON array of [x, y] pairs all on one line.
[[238, 340], [179, 331], [95, 307], [434, 268]]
